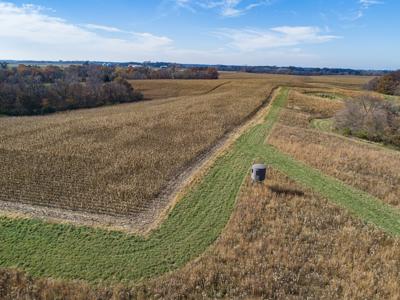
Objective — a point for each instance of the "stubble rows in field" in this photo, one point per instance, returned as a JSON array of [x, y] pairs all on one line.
[[117, 160]]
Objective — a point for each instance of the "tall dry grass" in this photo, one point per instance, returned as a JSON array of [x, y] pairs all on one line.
[[313, 105], [366, 167], [283, 242], [362, 165]]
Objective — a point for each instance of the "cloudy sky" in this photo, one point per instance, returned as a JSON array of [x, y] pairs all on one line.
[[344, 33]]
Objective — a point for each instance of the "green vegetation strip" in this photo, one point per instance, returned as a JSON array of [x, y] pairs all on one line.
[[69, 252]]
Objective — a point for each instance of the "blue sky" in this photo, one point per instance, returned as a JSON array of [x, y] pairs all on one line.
[[344, 33]]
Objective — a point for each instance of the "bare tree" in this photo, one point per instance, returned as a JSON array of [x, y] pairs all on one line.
[[370, 118]]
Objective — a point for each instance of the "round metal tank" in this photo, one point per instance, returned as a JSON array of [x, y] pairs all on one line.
[[258, 172]]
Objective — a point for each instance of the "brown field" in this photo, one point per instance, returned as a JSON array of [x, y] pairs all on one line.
[[363, 165], [161, 89], [117, 160], [282, 242], [345, 82]]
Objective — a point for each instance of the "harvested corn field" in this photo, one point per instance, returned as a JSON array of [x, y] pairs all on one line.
[[117, 160]]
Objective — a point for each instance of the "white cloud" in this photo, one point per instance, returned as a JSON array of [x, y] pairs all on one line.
[[284, 36], [182, 2], [226, 8], [364, 5], [28, 32], [103, 28], [367, 3]]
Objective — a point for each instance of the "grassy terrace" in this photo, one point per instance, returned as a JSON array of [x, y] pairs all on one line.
[[66, 251]]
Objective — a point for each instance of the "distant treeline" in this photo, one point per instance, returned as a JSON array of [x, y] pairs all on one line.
[[290, 70], [170, 72], [32, 90], [388, 84], [273, 69], [301, 71]]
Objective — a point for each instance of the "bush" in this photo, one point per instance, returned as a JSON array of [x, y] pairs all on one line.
[[388, 84], [346, 131], [370, 118]]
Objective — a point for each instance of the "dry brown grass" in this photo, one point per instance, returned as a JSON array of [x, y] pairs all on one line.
[[362, 165], [312, 104], [346, 82], [341, 82], [282, 242], [116, 160], [366, 167]]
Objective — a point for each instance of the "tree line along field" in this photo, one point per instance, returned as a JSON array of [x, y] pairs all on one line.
[[283, 240]]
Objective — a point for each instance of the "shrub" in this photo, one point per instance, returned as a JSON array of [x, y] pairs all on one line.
[[370, 118], [388, 84]]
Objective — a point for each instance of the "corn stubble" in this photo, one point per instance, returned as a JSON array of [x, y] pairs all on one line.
[[116, 160]]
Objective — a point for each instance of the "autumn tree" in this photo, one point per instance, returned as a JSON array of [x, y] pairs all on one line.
[[31, 90], [388, 84]]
